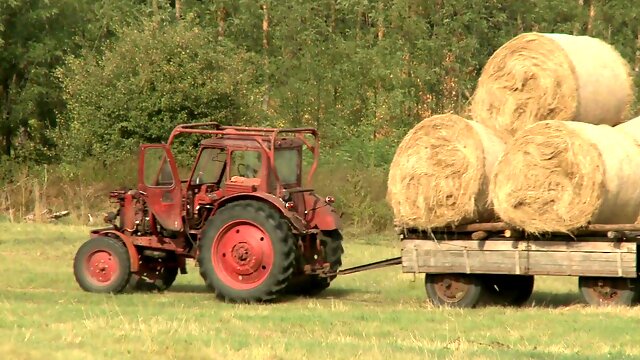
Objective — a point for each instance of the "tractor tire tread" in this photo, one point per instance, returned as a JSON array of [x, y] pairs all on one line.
[[119, 250], [282, 233]]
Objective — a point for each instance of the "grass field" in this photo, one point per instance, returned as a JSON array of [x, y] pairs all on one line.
[[380, 314]]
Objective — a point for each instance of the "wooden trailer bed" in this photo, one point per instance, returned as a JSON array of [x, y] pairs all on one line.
[[465, 264]]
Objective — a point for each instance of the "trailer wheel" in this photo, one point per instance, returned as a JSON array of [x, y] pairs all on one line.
[[511, 290], [454, 290], [603, 291], [102, 265], [246, 252]]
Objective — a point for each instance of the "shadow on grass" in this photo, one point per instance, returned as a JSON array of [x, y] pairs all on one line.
[[190, 288], [331, 293], [554, 300]]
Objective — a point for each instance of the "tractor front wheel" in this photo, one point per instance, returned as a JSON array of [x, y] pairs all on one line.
[[102, 265], [247, 252]]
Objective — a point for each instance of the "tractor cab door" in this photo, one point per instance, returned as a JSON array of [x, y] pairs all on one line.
[[158, 178]]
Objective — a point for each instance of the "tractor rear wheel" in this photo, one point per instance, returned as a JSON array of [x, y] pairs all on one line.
[[311, 285], [102, 265], [247, 252]]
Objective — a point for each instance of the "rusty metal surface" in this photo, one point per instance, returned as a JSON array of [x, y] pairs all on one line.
[[133, 253], [164, 201], [151, 216]]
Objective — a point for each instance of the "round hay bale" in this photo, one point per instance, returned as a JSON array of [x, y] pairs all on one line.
[[440, 172], [536, 77], [558, 176], [631, 128]]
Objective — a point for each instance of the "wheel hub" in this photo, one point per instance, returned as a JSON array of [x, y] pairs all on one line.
[[607, 290], [242, 254], [451, 288], [101, 266]]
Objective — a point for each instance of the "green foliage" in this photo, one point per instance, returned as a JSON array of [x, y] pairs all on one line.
[[84, 79], [35, 37], [146, 83]]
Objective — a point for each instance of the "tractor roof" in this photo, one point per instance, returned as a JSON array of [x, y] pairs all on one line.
[[240, 140]]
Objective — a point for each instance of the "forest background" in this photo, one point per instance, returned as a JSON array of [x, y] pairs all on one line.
[[84, 82]]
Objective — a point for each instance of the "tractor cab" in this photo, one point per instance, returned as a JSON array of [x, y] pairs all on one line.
[[221, 161], [234, 162]]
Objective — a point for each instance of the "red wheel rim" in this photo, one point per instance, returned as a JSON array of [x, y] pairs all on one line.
[[101, 267], [242, 254]]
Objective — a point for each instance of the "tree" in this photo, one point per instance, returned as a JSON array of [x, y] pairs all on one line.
[[35, 37], [149, 80]]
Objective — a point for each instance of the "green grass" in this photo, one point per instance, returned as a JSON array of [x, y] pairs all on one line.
[[381, 314]]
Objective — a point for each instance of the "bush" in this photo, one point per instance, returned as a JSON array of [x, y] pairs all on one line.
[[148, 81]]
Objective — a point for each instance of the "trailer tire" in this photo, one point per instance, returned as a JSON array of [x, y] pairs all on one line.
[[509, 290], [454, 290], [605, 291]]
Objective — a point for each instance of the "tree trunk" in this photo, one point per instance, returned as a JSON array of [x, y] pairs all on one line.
[[155, 7], [592, 15], [6, 127], [380, 21], [578, 26], [222, 17], [637, 65], [156, 13], [265, 26], [333, 16], [265, 46], [178, 9]]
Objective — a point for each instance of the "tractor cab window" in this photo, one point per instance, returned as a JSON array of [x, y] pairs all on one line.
[[157, 171], [245, 163], [288, 165], [210, 166]]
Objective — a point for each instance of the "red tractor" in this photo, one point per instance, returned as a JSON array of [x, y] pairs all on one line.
[[243, 215]]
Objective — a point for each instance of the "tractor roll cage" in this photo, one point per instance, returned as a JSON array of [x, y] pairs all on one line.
[[258, 135]]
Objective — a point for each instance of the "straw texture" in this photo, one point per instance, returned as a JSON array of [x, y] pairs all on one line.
[[536, 77], [440, 173]]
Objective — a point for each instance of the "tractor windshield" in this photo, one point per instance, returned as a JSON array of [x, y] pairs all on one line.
[[210, 166], [288, 165]]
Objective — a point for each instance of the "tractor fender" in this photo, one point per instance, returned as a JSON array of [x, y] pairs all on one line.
[[133, 253], [296, 221], [321, 215]]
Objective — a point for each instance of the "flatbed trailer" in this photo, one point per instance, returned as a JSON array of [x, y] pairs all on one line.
[[493, 263]]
